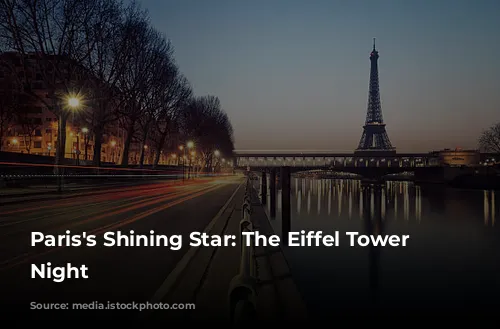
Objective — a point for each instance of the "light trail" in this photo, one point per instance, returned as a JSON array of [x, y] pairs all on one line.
[[116, 192], [20, 164], [102, 229], [76, 207]]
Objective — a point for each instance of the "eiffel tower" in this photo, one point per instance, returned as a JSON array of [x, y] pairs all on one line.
[[374, 139]]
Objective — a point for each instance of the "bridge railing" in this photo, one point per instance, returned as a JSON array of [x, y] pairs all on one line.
[[242, 290]]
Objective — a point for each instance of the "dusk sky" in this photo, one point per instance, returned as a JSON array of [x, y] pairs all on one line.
[[294, 74]]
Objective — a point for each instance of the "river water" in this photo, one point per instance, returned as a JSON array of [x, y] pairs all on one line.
[[452, 259]]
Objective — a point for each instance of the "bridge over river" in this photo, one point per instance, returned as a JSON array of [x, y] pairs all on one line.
[[372, 165]]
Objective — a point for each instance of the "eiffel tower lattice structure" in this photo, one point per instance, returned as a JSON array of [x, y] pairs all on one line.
[[374, 139]]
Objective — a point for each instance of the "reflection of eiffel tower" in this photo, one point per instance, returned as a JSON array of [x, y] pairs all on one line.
[[374, 138], [372, 215]]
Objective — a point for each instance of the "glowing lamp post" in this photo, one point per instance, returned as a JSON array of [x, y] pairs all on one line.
[[183, 150], [85, 132], [190, 145], [72, 103], [113, 144], [217, 155]]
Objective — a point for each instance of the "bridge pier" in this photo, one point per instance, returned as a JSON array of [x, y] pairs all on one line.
[[263, 188], [285, 203], [272, 192]]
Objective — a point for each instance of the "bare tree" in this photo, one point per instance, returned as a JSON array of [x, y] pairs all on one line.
[[152, 95], [174, 95], [51, 37], [150, 51], [490, 139], [209, 125], [106, 63], [108, 55]]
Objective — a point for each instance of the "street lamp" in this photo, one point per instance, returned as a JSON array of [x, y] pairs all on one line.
[[113, 144], [217, 155], [15, 142], [85, 131], [73, 102], [183, 150], [191, 163], [190, 145]]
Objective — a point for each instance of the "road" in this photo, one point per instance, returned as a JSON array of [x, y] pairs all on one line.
[[116, 274]]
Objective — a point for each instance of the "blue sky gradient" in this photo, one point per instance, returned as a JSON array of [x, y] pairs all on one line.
[[294, 74]]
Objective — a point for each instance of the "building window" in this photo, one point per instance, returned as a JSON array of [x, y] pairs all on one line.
[[37, 144], [38, 132]]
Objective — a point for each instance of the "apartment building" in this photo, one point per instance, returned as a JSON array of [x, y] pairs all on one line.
[[33, 128]]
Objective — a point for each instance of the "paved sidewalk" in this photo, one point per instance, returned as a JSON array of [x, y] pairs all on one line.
[[205, 278], [278, 301]]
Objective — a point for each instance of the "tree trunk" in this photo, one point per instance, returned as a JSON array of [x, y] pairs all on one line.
[[143, 144], [158, 153], [97, 145], [128, 141], [210, 163], [160, 146], [87, 142], [61, 139]]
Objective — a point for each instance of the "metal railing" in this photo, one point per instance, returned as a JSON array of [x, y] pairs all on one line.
[[242, 290]]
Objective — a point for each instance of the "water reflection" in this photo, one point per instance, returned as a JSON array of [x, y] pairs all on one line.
[[452, 236], [347, 195], [489, 208]]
